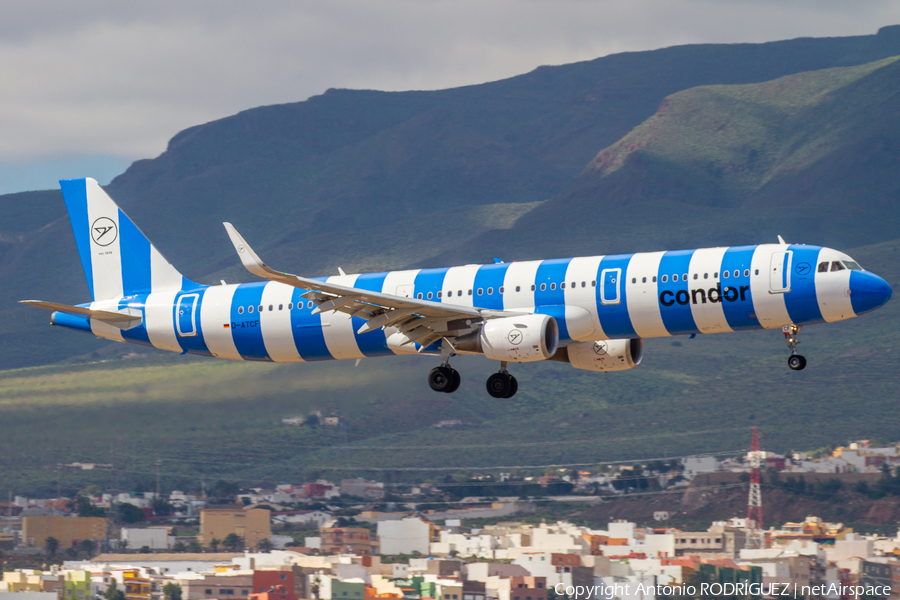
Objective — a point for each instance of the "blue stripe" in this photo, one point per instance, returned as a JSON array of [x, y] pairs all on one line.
[[138, 334], [677, 318], [135, 252], [430, 280], [245, 329], [490, 277], [550, 274], [371, 343], [801, 302], [76, 322], [614, 318], [738, 313], [307, 327], [75, 194]]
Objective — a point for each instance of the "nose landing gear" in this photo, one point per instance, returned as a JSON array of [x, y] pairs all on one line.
[[791, 335], [502, 384]]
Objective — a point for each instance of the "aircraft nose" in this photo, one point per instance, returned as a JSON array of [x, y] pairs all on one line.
[[868, 292]]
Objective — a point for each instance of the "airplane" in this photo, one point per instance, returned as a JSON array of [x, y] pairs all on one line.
[[592, 312]]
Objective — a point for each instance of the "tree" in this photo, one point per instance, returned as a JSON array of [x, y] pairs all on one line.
[[214, 545], [86, 509], [172, 591], [52, 545], [178, 547], [145, 550], [265, 546], [194, 546], [113, 592], [233, 542], [162, 507], [129, 513], [87, 547]]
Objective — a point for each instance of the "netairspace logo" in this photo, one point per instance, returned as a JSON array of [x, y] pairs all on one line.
[[620, 590]]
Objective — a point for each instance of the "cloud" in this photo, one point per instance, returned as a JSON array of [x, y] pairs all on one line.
[[117, 78]]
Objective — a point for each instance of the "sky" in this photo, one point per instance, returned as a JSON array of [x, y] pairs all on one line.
[[90, 86]]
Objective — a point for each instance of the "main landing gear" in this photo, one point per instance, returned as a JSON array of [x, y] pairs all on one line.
[[444, 379], [792, 335], [502, 384]]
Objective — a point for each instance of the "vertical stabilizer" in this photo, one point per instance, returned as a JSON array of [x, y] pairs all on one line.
[[118, 259]]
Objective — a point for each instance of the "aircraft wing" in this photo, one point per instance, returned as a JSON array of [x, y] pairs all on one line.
[[422, 321]]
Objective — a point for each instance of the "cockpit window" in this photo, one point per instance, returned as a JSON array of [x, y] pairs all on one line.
[[836, 266], [853, 266], [823, 267]]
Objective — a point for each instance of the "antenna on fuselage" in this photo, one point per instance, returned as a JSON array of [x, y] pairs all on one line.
[[781, 241]]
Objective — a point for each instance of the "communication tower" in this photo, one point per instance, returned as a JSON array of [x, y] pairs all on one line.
[[755, 535]]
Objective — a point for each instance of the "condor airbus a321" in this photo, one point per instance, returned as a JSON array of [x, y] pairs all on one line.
[[592, 312]]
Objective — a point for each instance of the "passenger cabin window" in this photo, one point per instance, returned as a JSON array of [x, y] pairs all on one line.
[[309, 304], [634, 280], [665, 278], [419, 295], [490, 291], [594, 283], [480, 291], [737, 273], [543, 286], [823, 267], [470, 292], [532, 287], [836, 266], [562, 286], [518, 289], [240, 310], [552, 286], [654, 279], [459, 292], [501, 289], [439, 294], [746, 272], [249, 309], [281, 307], [725, 274], [684, 277], [290, 306], [756, 272], [430, 295], [643, 280], [706, 276], [696, 276], [449, 293], [260, 308]]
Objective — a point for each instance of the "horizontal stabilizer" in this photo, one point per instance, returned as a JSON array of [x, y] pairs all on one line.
[[126, 319]]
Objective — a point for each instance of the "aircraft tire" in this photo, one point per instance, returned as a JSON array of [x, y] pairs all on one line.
[[499, 385], [440, 379], [456, 380], [796, 362], [513, 387]]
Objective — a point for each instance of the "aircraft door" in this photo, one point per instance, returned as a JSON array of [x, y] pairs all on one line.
[[186, 315], [405, 291], [780, 272], [611, 281]]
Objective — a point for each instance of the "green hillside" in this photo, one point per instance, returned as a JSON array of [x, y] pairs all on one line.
[[373, 180], [811, 156]]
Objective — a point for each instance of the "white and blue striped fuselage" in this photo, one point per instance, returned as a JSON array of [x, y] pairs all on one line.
[[629, 296]]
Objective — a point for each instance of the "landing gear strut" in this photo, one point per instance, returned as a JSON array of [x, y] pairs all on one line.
[[502, 384], [792, 335]]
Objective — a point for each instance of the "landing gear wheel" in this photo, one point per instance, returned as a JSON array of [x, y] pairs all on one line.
[[500, 385], [513, 387], [440, 379], [796, 362], [455, 383]]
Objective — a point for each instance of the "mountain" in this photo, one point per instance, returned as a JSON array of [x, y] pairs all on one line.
[[373, 180]]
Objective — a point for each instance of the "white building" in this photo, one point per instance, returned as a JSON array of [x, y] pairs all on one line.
[[155, 538], [405, 536]]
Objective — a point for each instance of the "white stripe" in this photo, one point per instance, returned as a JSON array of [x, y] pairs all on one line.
[[460, 279], [397, 282], [215, 313], [106, 261], [710, 316], [833, 289], [340, 338], [277, 332], [769, 308], [643, 297], [159, 312], [105, 330], [522, 275], [583, 270], [163, 276]]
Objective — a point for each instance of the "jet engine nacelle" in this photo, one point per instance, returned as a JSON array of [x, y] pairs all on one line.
[[515, 339], [603, 355]]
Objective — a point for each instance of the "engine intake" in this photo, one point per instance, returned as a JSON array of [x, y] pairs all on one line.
[[603, 355], [514, 339]]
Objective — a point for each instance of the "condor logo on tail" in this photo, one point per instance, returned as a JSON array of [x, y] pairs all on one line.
[[701, 296]]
